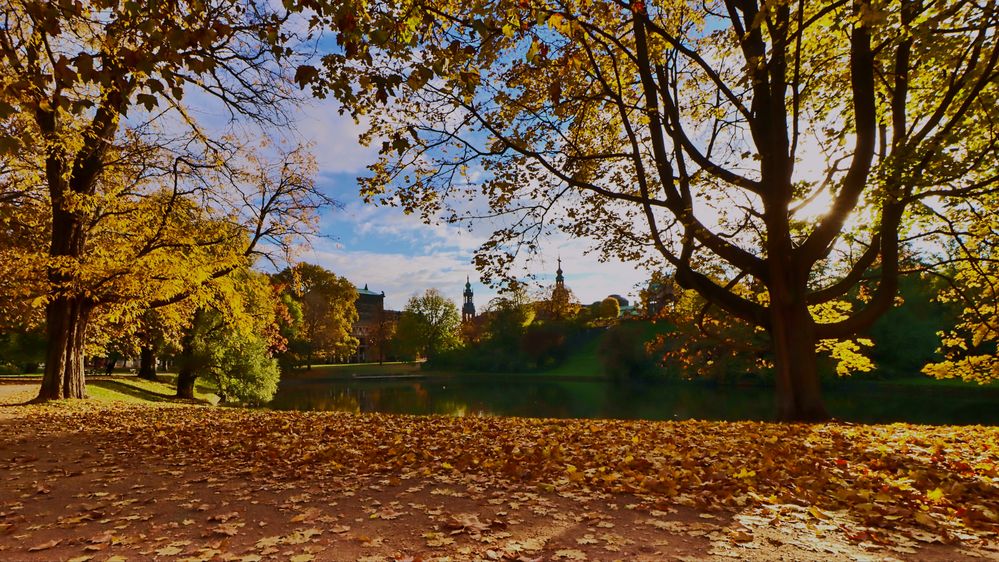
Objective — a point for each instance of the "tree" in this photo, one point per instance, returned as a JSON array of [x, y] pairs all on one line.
[[72, 72], [328, 310], [557, 303], [970, 285], [698, 342], [695, 135], [231, 337], [624, 352], [507, 316], [659, 295], [241, 366], [24, 348], [430, 324], [382, 336], [290, 325], [610, 308]]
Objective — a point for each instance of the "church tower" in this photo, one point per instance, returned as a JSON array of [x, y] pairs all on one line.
[[560, 305], [468, 309]]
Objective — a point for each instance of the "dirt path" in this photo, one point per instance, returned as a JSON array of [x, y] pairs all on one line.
[[77, 494]]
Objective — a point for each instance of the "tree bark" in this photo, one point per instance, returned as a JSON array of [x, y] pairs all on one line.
[[66, 326], [147, 363], [799, 393], [186, 378], [66, 315], [187, 373]]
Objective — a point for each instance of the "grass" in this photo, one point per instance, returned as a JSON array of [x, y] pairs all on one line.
[[136, 390], [583, 361], [350, 369]]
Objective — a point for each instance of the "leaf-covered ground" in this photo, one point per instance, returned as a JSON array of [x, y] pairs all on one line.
[[99, 481]]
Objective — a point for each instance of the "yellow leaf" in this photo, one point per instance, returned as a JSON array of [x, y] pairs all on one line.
[[935, 495], [817, 513]]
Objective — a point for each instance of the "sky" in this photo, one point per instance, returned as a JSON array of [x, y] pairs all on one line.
[[388, 251]]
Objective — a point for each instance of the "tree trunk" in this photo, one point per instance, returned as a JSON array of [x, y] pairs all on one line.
[[66, 314], [799, 394], [187, 373], [186, 378], [66, 325], [147, 363], [185, 384]]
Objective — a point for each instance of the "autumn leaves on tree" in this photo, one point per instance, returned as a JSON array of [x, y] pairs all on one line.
[[787, 160], [142, 205], [691, 136]]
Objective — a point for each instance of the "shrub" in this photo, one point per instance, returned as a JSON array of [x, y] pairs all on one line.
[[623, 352]]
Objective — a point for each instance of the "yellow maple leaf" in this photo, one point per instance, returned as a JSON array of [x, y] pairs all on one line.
[[935, 495]]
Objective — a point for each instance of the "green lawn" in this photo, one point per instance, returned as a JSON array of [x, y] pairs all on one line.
[[348, 370], [134, 389], [581, 362]]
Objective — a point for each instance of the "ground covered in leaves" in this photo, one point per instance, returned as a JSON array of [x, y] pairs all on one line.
[[104, 481]]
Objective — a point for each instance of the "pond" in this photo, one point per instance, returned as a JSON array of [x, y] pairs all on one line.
[[555, 398]]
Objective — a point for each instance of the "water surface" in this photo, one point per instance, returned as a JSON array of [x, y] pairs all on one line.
[[538, 397]]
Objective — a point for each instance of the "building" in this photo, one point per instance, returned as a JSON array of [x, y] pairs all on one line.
[[560, 292], [372, 328], [561, 304], [468, 309], [659, 295]]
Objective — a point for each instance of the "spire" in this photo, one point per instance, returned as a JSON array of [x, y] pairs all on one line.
[[468, 309], [559, 280]]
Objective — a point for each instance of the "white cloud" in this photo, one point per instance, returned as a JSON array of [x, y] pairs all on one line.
[[334, 139], [443, 255], [399, 275]]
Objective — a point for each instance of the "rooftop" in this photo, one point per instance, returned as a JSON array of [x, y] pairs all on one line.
[[365, 291]]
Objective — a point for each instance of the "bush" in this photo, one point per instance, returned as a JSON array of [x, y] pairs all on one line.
[[243, 369], [623, 352], [544, 345]]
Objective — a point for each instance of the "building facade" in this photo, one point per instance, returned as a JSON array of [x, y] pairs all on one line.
[[374, 327]]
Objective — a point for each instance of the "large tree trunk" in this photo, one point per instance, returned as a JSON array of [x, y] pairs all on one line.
[[188, 362], [186, 378], [66, 314], [187, 373], [799, 394], [147, 363], [66, 325]]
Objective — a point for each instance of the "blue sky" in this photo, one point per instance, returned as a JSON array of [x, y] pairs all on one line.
[[398, 254]]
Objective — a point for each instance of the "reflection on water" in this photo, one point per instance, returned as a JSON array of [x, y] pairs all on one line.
[[605, 399]]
